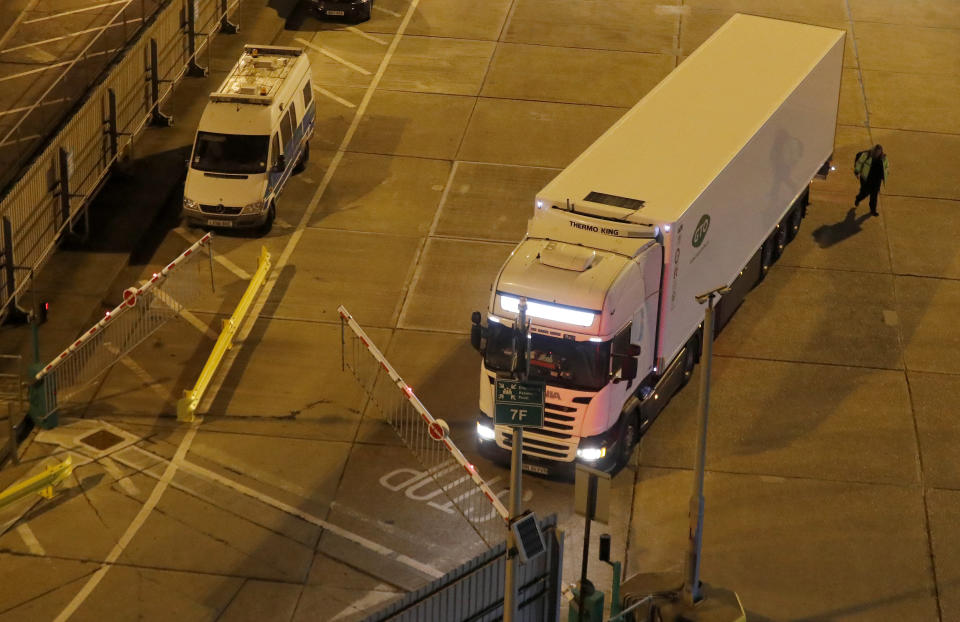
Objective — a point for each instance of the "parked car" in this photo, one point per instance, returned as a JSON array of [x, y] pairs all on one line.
[[348, 10]]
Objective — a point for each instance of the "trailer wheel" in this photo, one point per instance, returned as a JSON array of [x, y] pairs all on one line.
[[766, 258], [782, 237], [689, 361], [794, 219]]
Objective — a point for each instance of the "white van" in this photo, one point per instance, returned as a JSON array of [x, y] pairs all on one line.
[[254, 131]]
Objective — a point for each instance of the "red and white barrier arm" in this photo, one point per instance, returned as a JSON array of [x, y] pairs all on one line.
[[432, 424], [129, 300]]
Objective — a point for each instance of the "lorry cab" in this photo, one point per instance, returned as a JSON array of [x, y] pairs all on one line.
[[253, 132]]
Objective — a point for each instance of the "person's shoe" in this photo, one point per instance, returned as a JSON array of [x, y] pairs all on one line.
[[856, 202], [874, 212]]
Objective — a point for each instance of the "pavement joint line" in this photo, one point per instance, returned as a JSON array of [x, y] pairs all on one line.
[[411, 281], [30, 539], [798, 362], [92, 7], [486, 241], [332, 56], [807, 478], [306, 516], [387, 11], [223, 260], [334, 97], [133, 528], [366, 35]]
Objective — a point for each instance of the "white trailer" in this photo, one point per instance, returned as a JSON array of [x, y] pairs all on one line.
[[701, 184]]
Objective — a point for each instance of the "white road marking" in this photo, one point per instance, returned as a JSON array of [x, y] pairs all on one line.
[[374, 597], [294, 511], [335, 98], [670, 9], [68, 36], [191, 319], [146, 378], [30, 539], [92, 7], [411, 284], [333, 56], [297, 234], [366, 35], [387, 11], [217, 257], [122, 480], [55, 65], [49, 102], [133, 528]]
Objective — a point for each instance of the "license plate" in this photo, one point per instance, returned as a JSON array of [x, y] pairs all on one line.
[[334, 12], [220, 223], [536, 468]]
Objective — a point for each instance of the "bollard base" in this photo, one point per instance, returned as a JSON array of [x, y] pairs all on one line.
[[717, 605]]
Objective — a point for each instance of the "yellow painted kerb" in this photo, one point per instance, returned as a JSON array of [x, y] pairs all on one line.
[[187, 405]]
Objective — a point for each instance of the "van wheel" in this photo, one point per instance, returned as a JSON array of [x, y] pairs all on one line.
[[271, 216], [304, 157], [627, 441]]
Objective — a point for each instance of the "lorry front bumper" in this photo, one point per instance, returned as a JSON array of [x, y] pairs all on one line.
[[493, 450]]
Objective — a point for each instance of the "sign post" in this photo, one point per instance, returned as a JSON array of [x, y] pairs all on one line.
[[516, 403]]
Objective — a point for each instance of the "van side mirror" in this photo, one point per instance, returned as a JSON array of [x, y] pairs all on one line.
[[476, 332], [281, 163]]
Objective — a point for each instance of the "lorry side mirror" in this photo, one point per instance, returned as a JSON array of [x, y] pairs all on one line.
[[476, 332], [633, 350], [628, 368]]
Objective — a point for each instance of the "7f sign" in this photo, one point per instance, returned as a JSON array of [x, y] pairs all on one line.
[[518, 404]]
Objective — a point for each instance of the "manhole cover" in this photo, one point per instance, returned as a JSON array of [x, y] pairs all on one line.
[[101, 440]]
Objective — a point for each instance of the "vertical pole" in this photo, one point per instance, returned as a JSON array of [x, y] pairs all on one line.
[[64, 170], [522, 357], [213, 286], [193, 69], [691, 584], [226, 26], [12, 442], [8, 267], [591, 508], [112, 121], [156, 117]]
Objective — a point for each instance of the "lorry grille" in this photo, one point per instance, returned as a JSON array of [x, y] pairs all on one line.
[[536, 444]]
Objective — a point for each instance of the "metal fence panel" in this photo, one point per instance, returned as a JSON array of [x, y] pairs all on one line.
[[33, 203], [474, 591]]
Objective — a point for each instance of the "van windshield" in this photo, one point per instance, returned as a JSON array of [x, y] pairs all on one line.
[[571, 364], [230, 153]]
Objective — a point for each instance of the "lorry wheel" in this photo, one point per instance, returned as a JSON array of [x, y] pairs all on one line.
[[766, 258], [304, 157], [627, 440]]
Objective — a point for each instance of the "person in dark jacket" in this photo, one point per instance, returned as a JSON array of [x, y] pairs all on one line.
[[871, 169]]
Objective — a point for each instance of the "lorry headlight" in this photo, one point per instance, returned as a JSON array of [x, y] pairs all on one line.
[[485, 432], [253, 208], [591, 454], [189, 203]]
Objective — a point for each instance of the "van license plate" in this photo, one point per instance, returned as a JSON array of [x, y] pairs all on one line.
[[536, 468], [334, 12], [220, 223]]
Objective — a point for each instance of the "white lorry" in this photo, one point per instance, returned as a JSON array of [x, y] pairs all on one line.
[[700, 185]]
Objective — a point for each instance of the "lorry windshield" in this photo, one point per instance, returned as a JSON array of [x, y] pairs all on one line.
[[230, 153], [582, 365]]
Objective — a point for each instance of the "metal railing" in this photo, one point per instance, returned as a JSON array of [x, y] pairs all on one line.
[[61, 180]]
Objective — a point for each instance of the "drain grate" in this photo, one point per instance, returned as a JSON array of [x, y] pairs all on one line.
[[101, 439]]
